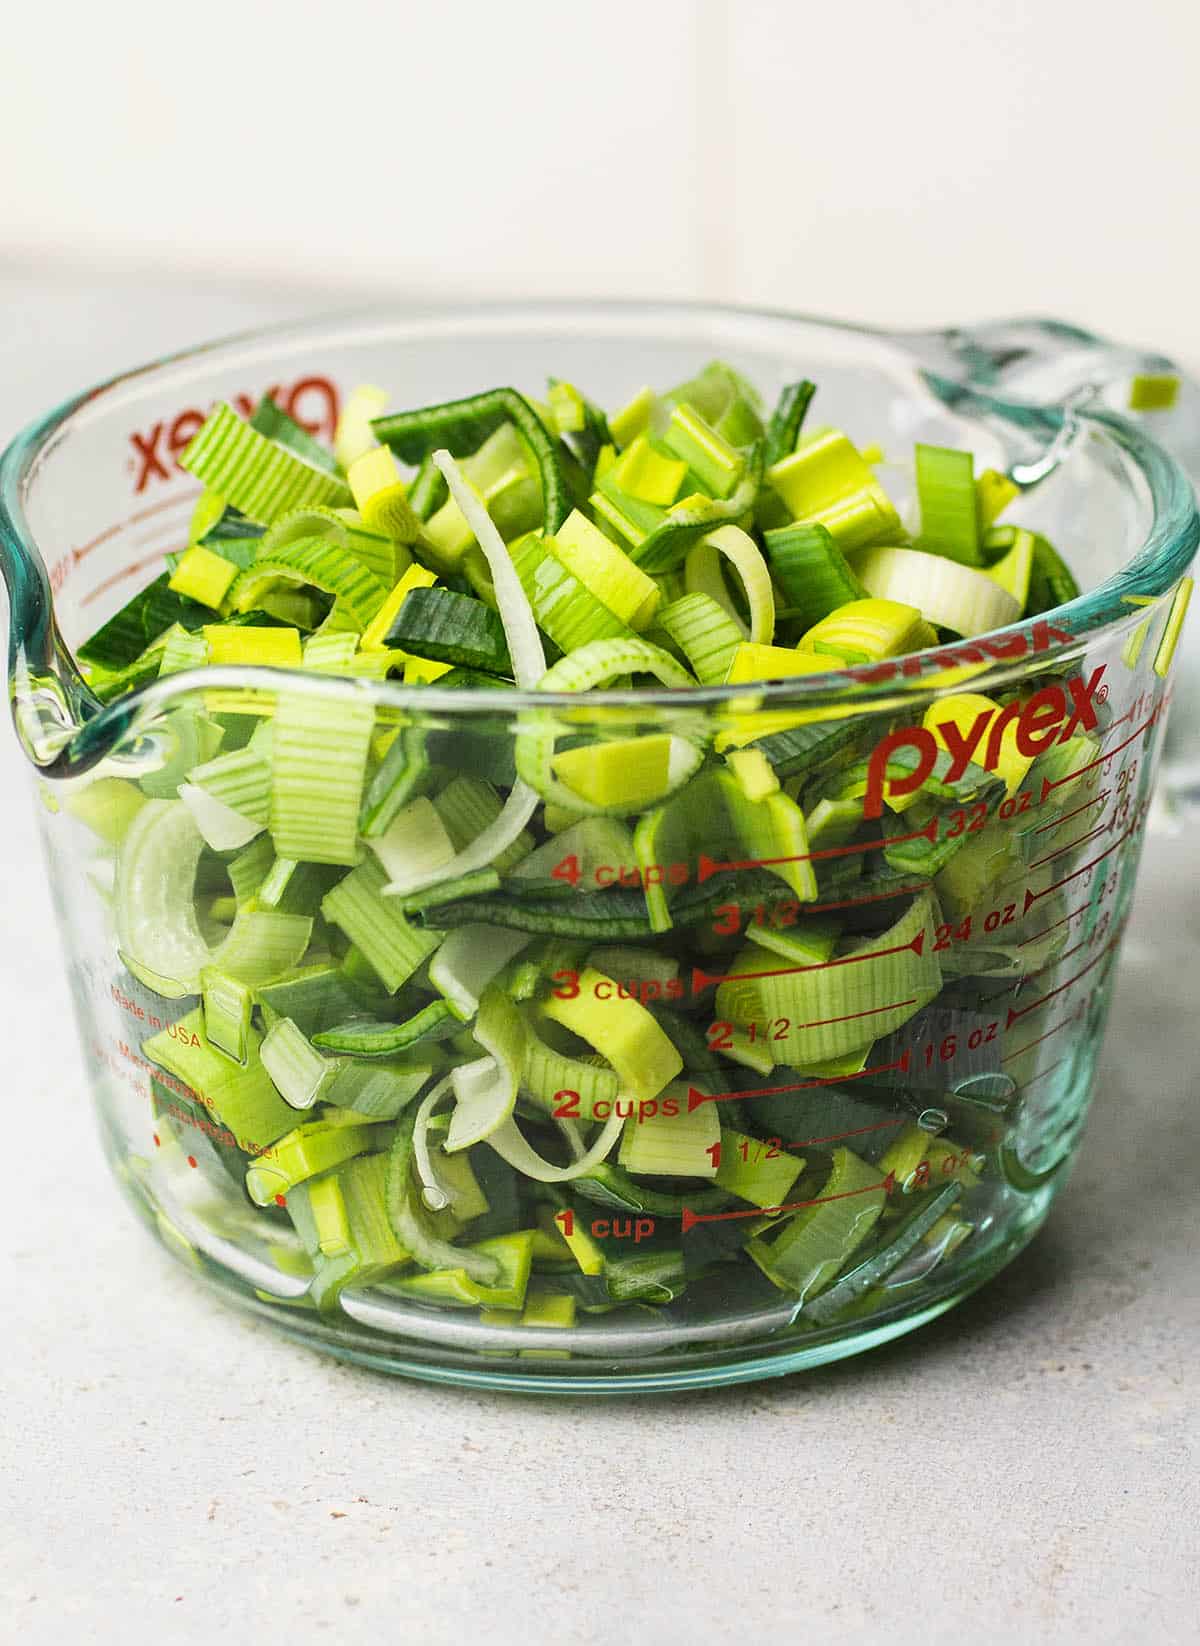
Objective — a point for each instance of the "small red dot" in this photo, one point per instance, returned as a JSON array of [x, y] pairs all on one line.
[[157, 1141], [281, 1200], [191, 1160]]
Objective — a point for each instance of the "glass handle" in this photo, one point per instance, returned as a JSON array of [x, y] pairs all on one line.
[[1041, 362], [1052, 364]]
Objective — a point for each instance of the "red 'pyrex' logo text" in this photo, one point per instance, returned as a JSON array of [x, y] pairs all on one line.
[[312, 401], [1051, 715]]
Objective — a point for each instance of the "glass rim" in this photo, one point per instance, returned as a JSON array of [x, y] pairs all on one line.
[[1054, 637]]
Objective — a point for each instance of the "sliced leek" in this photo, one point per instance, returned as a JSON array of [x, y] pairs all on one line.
[[951, 595]]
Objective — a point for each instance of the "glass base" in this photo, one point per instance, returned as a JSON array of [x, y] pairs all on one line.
[[644, 1369]]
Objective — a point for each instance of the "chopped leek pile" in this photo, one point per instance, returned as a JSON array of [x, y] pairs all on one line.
[[547, 1016]]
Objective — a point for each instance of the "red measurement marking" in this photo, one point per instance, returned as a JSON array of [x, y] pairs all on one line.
[[709, 866], [1029, 1045], [696, 1098], [1042, 1073], [859, 1131], [850, 1017], [1067, 816], [1032, 897], [1074, 915], [1048, 787], [1059, 958], [1071, 844], [126, 571], [861, 902], [702, 979], [134, 519], [691, 1218], [1128, 715], [1015, 1016], [191, 1160]]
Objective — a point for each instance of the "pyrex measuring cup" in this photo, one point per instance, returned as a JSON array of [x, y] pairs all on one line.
[[896, 1028]]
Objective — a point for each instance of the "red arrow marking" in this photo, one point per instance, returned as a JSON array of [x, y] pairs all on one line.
[[1015, 1016], [861, 902], [1059, 958], [1071, 844], [134, 519], [708, 866], [1048, 787], [1032, 897], [1042, 1073], [859, 1131], [1113, 724], [1029, 1045], [691, 1218], [702, 979], [126, 571], [1067, 816], [850, 1017], [81, 554], [1074, 915], [696, 1098]]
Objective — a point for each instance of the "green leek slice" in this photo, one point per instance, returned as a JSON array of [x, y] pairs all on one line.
[[830, 1008], [384, 1040], [604, 571], [450, 628], [158, 934], [814, 1243], [316, 563], [672, 1145], [242, 1098], [705, 632], [622, 1031], [949, 510], [813, 574], [319, 759], [468, 960], [376, 926], [738, 548], [262, 479], [668, 545], [462, 425], [787, 420]]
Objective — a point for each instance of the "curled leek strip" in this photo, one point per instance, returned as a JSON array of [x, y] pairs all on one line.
[[529, 665], [596, 665], [433, 1193], [486, 1090], [511, 1144], [703, 574], [516, 614]]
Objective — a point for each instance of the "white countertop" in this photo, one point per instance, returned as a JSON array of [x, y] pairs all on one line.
[[1025, 1468]]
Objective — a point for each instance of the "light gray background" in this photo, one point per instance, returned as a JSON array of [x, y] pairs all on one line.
[[906, 163], [1023, 1470]]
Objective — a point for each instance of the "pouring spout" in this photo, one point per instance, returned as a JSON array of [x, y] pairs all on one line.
[[50, 701]]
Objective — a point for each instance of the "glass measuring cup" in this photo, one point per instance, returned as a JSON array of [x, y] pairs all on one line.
[[945, 1131]]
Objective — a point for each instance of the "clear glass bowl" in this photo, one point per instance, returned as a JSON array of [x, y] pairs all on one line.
[[994, 1062]]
